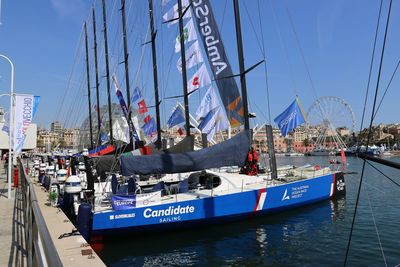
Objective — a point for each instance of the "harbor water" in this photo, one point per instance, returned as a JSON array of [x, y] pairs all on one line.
[[314, 235]]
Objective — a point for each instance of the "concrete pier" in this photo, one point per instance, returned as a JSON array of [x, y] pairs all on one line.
[[72, 249], [12, 237]]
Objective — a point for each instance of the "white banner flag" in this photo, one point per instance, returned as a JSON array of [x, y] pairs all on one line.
[[213, 122], [173, 13], [200, 79], [189, 34], [209, 102], [193, 57], [25, 109]]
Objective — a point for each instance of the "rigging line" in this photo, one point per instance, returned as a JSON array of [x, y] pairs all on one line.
[[376, 228], [387, 88], [370, 127], [135, 80], [253, 28], [386, 176], [265, 62], [77, 48], [261, 46], [371, 65], [284, 48], [71, 107], [302, 56], [223, 15], [301, 51]]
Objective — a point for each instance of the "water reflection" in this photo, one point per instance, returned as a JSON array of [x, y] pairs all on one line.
[[255, 241]]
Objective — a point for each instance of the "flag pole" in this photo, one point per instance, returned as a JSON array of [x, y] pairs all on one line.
[[11, 130], [301, 109]]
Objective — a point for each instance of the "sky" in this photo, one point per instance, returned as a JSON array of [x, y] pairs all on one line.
[[312, 49]]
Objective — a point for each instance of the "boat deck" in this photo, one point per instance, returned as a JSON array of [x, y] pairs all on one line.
[[232, 183]]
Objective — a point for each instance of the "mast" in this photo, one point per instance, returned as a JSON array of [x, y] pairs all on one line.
[[128, 94], [97, 79], [107, 71], [184, 75], [88, 87], [153, 52], [241, 64]]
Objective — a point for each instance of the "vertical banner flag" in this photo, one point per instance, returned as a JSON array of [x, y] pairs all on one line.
[[150, 127], [200, 79], [136, 95], [176, 118], [173, 13], [193, 57], [25, 109], [124, 107], [214, 121], [6, 125], [104, 138], [290, 118], [142, 107], [218, 60], [146, 119], [209, 101], [189, 34]]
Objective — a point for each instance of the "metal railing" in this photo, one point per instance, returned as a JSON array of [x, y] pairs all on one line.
[[39, 245]]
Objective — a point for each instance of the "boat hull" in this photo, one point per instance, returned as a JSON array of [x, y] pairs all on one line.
[[219, 208]]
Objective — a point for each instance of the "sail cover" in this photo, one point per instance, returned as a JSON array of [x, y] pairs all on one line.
[[218, 60], [232, 152]]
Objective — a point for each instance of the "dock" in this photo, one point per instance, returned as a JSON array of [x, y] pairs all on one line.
[[15, 247]]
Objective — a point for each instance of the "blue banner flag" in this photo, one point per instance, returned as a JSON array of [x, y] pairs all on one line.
[[136, 95], [123, 202], [124, 108], [176, 118], [290, 118], [104, 137], [150, 127]]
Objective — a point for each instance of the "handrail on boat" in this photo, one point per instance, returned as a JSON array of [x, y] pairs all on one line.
[[39, 245]]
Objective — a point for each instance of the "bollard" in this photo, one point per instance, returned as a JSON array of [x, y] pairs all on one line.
[[15, 177]]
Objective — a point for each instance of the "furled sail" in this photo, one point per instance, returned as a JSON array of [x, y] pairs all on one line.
[[231, 152]]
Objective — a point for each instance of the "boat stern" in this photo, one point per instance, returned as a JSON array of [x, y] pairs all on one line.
[[338, 186]]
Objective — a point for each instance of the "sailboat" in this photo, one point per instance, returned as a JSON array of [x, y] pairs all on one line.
[[168, 190]]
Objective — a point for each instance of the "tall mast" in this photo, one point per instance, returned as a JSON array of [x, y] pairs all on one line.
[[184, 76], [97, 79], [128, 94], [153, 52], [107, 72], [88, 87], [241, 64]]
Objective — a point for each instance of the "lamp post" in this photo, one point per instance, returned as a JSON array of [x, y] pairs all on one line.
[[10, 131]]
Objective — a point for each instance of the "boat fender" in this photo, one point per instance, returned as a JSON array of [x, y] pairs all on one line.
[[83, 222]]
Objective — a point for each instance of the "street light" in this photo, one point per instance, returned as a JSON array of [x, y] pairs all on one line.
[[10, 131]]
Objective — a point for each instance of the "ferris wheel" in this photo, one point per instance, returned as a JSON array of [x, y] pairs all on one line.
[[327, 118]]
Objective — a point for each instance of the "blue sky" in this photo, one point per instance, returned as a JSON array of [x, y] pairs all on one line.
[[44, 40]]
